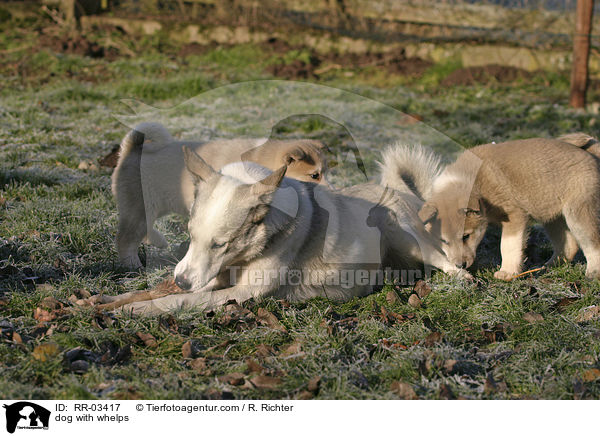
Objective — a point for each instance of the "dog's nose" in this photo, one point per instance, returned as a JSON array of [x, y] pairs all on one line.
[[183, 282]]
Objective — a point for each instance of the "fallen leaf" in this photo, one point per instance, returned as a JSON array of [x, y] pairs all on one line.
[[265, 382], [266, 318], [414, 301], [17, 338], [305, 395], [191, 349], [148, 339], [392, 298], [564, 302], [255, 367], [588, 313], [46, 351], [234, 379], [445, 393], [293, 349], [433, 338], [199, 364], [404, 390], [591, 375], [314, 384], [422, 289], [264, 351], [43, 315], [532, 317]]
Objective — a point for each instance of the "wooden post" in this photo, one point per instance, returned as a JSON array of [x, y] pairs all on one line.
[[581, 52]]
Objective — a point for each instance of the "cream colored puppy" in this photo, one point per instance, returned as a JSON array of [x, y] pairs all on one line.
[[151, 180], [554, 182]]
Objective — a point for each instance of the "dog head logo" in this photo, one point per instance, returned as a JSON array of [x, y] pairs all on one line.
[[26, 415]]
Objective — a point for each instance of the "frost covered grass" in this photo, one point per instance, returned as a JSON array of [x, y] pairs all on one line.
[[533, 338]]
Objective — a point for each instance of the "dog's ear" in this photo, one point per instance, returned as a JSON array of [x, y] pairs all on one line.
[[474, 208], [196, 165], [428, 212], [295, 155], [269, 184]]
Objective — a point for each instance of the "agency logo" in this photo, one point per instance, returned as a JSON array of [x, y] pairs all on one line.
[[26, 415]]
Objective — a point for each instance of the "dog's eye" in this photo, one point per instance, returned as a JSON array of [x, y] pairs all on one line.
[[215, 245], [465, 237], [315, 176]]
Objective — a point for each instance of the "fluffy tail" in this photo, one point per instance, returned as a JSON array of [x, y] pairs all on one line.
[[581, 140], [411, 169], [149, 134]]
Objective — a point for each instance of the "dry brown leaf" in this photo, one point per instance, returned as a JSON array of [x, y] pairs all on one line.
[[532, 317], [588, 313], [314, 384], [147, 339], [591, 375], [186, 350], [266, 318], [255, 367], [43, 315], [305, 395], [414, 301], [422, 289], [293, 349], [403, 390], [264, 351], [433, 338], [235, 378], [392, 298], [45, 351], [265, 382], [17, 338]]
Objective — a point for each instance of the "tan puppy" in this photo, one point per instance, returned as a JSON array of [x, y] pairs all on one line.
[[550, 181], [151, 181]]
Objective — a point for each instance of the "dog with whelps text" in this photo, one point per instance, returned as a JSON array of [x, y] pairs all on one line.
[[247, 219], [555, 182], [151, 181]]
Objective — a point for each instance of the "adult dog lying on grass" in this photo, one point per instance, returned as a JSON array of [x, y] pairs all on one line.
[[255, 233]]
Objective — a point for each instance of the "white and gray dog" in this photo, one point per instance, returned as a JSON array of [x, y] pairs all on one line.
[[256, 233]]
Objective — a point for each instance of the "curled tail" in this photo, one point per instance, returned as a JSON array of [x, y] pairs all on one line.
[[409, 169], [150, 134], [584, 141]]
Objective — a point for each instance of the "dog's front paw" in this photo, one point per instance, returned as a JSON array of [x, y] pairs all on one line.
[[463, 274], [504, 275], [141, 308], [132, 263]]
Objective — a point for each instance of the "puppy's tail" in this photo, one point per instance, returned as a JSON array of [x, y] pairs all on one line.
[[409, 169], [584, 141], [153, 136]]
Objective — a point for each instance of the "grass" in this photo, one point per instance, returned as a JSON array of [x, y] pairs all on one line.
[[57, 226]]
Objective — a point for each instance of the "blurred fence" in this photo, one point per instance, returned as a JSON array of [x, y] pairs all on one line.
[[522, 23]]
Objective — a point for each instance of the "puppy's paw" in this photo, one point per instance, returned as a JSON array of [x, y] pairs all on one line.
[[146, 308], [504, 275], [132, 263]]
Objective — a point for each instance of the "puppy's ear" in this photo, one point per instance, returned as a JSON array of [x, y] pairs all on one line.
[[196, 165], [294, 155], [474, 208], [269, 184], [428, 212]]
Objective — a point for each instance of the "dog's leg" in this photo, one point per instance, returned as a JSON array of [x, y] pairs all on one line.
[[154, 237], [514, 236], [130, 232], [563, 242], [201, 300], [584, 223]]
